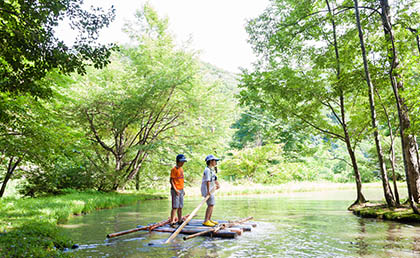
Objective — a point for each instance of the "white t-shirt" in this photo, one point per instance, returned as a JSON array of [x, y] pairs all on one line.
[[209, 175]]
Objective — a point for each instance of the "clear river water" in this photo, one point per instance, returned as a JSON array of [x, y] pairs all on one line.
[[313, 224]]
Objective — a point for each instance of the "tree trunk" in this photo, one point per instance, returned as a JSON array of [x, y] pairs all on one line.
[[408, 142], [391, 152], [385, 183], [10, 169], [137, 181], [360, 198]]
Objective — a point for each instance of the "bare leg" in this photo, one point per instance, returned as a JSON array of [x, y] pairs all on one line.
[[209, 211], [173, 212], [179, 214]]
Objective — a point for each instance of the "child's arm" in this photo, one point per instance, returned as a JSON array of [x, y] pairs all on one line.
[[208, 187], [173, 186], [217, 184]]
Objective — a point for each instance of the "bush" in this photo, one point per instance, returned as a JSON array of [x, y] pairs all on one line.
[[45, 236]]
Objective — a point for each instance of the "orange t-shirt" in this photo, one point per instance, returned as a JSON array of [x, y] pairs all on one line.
[[177, 175]]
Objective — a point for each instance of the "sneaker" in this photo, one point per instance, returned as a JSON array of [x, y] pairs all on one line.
[[180, 222], [214, 222], [208, 223]]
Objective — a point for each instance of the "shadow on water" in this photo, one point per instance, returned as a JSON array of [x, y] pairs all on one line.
[[304, 225]]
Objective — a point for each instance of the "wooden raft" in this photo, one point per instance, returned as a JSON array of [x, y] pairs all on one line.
[[228, 229]]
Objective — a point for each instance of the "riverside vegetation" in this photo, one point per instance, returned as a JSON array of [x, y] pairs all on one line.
[[333, 97], [31, 224]]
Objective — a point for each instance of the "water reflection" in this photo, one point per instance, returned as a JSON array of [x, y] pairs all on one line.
[[416, 241], [287, 227], [362, 246]]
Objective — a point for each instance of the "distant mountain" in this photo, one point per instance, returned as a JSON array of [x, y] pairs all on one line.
[[228, 80]]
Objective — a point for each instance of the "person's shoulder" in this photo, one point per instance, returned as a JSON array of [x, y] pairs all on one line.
[[173, 169]]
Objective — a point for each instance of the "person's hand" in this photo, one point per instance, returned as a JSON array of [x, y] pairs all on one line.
[[217, 186], [177, 192]]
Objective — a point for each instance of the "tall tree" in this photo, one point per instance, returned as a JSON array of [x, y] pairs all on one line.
[[128, 107], [300, 72], [392, 159], [408, 141], [385, 183]]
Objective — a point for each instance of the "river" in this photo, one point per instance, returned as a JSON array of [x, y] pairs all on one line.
[[288, 225]]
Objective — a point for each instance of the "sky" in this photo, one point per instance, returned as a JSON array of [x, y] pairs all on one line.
[[216, 27]]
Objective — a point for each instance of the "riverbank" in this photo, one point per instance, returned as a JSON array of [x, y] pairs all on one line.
[[249, 188], [380, 210], [28, 226]]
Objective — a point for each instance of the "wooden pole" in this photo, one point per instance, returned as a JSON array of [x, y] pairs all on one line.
[[217, 228], [150, 228], [136, 229], [171, 237]]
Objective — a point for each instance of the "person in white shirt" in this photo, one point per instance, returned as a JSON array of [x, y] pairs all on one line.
[[208, 183]]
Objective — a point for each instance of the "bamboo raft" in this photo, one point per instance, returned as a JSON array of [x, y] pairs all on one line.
[[194, 228], [225, 229]]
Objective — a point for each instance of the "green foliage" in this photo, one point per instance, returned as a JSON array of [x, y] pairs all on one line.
[[204, 131], [322, 160], [34, 220], [30, 50], [149, 89], [34, 239], [251, 163], [310, 69]]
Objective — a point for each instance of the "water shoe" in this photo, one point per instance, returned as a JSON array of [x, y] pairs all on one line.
[[208, 223]]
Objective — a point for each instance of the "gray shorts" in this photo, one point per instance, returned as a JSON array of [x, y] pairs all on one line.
[[211, 200], [177, 200]]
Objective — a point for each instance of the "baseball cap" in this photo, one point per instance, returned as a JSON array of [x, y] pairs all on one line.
[[211, 157], [181, 158]]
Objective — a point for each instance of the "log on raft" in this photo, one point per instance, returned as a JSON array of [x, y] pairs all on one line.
[[200, 221], [192, 230], [149, 227], [218, 228]]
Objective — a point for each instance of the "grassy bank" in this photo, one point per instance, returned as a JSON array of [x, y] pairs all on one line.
[[380, 211], [246, 187], [28, 227]]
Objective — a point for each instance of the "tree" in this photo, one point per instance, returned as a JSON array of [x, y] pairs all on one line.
[[301, 73], [127, 107], [29, 48], [385, 183], [408, 141], [32, 141]]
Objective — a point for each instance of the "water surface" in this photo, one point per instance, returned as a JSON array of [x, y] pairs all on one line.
[[293, 225]]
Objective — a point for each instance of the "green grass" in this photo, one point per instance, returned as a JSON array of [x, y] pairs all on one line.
[[380, 211], [28, 227]]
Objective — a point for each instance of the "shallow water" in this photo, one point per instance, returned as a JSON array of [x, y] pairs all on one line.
[[294, 225]]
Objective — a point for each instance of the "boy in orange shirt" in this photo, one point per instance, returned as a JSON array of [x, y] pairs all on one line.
[[177, 189]]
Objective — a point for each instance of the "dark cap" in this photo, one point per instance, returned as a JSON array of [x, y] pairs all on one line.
[[181, 158]]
